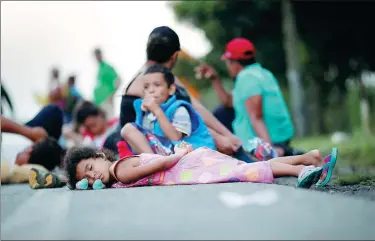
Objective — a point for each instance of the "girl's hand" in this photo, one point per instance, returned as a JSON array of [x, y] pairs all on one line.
[[183, 148]]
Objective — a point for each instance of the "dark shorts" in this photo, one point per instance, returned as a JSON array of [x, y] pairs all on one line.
[[288, 150]]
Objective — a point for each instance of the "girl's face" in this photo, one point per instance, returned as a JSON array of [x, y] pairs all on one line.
[[155, 86], [93, 169]]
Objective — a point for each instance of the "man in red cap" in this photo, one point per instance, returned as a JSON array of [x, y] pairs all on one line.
[[259, 106]]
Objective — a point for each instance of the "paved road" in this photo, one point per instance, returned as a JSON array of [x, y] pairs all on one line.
[[181, 212]]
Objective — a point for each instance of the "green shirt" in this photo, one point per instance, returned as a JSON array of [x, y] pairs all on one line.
[[105, 85], [255, 80]]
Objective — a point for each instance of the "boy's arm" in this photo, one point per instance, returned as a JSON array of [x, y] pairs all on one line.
[[169, 130], [126, 173], [207, 116], [218, 131]]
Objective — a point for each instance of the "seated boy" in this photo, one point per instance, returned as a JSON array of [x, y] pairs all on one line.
[[162, 120]]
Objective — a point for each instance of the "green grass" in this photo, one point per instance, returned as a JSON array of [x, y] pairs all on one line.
[[359, 150], [353, 179]]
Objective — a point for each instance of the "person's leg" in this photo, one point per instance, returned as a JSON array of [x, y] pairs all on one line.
[[137, 141], [111, 142], [51, 119], [127, 112], [298, 166], [225, 115], [280, 169], [243, 156], [310, 158]]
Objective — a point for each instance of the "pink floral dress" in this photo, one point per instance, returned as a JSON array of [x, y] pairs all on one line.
[[202, 166]]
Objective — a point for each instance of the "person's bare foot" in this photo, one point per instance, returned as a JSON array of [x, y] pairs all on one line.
[[314, 158]]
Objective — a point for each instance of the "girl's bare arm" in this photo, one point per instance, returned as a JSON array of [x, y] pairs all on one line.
[[127, 173]]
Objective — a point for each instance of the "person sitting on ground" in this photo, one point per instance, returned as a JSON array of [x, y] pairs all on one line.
[[92, 128], [160, 114], [259, 106], [163, 47], [185, 166], [32, 145]]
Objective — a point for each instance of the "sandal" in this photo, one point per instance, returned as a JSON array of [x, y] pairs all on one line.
[[38, 179], [330, 162], [309, 175]]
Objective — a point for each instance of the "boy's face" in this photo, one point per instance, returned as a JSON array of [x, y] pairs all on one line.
[[155, 86], [24, 156], [93, 169]]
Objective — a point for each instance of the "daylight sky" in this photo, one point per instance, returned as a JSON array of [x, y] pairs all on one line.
[[36, 36]]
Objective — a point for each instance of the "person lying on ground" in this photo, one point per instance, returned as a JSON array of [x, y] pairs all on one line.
[[160, 114], [185, 166], [163, 47], [259, 106], [31, 145], [92, 128]]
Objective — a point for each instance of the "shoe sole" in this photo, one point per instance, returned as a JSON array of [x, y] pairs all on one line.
[[310, 179], [37, 180], [332, 164]]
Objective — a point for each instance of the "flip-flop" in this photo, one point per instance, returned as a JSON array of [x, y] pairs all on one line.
[[310, 176], [330, 162], [326, 161]]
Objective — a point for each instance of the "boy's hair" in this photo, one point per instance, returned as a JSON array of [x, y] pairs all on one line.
[[85, 109], [47, 153], [77, 154], [168, 76], [162, 43]]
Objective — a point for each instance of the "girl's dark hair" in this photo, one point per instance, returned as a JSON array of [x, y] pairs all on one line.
[[77, 154], [168, 76]]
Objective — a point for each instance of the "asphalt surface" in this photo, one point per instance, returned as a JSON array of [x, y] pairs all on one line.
[[183, 212]]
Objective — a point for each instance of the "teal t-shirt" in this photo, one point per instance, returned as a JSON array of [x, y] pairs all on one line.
[[255, 80], [105, 85]]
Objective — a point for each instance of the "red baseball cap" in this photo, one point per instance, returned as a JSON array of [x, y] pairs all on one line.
[[237, 49]]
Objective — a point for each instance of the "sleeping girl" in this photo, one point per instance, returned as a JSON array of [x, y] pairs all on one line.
[[188, 166]]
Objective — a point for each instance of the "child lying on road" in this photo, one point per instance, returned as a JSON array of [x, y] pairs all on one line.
[[185, 166]]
